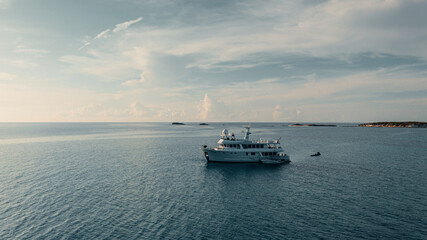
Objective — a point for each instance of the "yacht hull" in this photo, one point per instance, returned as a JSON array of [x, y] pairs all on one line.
[[229, 157], [213, 155]]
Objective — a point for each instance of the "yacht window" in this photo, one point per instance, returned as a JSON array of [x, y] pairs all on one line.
[[262, 145], [252, 153], [246, 154]]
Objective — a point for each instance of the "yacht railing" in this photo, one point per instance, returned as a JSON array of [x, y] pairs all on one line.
[[271, 141]]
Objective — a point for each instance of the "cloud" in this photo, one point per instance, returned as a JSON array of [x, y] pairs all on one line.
[[105, 33], [268, 80], [22, 49], [33, 103], [136, 109], [7, 76], [332, 27], [210, 109], [125, 25], [297, 54], [102, 34], [84, 45], [134, 82], [205, 107], [277, 113], [23, 63], [105, 66]]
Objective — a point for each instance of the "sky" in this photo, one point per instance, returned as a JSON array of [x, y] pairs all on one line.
[[208, 61]]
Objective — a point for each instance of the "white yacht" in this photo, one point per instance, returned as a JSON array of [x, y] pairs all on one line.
[[233, 150]]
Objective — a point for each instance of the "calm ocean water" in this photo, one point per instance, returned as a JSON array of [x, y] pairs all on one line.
[[150, 181]]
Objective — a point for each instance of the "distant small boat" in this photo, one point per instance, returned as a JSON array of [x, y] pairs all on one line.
[[177, 123], [315, 155], [203, 124]]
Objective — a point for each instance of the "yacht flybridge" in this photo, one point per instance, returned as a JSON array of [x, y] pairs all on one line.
[[233, 150]]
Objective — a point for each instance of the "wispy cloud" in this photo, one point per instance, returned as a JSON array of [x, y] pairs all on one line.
[[125, 25], [21, 49], [106, 67], [102, 34], [268, 80], [134, 82], [7, 76], [105, 34], [84, 45]]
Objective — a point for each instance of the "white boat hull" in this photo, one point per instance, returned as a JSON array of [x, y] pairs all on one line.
[[212, 155], [230, 157]]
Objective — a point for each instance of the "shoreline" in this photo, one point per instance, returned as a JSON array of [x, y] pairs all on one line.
[[395, 124]]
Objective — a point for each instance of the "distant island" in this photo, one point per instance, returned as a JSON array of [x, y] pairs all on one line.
[[395, 124], [312, 125], [177, 123]]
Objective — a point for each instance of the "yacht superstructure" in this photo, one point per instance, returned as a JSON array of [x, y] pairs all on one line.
[[233, 150]]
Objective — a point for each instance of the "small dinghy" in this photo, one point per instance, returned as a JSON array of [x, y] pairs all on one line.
[[315, 155]]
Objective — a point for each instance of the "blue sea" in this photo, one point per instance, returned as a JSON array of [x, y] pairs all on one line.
[[151, 181]]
